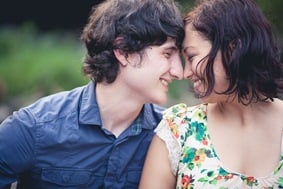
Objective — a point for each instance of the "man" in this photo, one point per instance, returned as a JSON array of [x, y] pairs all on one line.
[[96, 136]]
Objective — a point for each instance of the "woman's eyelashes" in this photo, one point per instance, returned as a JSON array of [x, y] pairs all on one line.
[[190, 57]]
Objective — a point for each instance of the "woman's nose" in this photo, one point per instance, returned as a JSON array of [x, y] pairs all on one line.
[[187, 71]]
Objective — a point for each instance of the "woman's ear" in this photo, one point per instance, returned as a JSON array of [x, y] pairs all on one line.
[[234, 44], [121, 57]]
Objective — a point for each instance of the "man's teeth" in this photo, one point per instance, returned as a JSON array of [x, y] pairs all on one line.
[[164, 82]]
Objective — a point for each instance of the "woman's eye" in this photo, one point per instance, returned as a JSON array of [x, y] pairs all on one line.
[[190, 58]]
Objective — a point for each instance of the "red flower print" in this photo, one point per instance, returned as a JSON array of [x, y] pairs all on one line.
[[205, 142], [218, 177], [186, 181]]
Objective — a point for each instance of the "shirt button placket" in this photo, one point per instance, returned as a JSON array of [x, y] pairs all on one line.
[[113, 165]]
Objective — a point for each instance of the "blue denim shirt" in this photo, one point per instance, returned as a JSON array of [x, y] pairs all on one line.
[[58, 142]]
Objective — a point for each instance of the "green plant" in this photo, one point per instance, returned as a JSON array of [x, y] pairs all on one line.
[[34, 63]]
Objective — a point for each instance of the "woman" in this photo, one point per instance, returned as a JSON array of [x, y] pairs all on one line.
[[234, 138]]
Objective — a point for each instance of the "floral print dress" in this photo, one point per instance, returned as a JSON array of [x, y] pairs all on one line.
[[193, 158]]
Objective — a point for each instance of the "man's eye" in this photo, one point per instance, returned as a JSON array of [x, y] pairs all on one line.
[[167, 54]]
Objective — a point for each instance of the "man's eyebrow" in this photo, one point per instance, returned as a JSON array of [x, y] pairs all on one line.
[[171, 47]]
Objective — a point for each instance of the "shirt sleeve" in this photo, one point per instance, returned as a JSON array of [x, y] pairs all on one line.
[[172, 145], [170, 130], [17, 142]]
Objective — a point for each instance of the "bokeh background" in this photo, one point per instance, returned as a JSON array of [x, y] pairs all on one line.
[[41, 52]]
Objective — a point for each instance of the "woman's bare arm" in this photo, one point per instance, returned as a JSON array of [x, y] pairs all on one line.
[[157, 172]]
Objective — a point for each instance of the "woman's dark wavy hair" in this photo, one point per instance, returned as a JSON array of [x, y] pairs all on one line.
[[249, 50], [130, 26]]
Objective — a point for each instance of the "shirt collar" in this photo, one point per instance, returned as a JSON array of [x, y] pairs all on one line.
[[89, 111], [146, 120]]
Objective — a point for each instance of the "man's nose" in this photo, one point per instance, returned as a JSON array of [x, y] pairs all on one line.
[[176, 69]]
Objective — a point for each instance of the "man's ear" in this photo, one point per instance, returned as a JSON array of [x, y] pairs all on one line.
[[121, 57]]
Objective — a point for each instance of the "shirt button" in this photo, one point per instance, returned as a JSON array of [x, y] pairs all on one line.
[[66, 178]]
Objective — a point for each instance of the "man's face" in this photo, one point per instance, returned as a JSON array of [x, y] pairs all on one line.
[[147, 77]]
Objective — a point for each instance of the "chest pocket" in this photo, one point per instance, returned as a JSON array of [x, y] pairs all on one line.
[[66, 176], [133, 178]]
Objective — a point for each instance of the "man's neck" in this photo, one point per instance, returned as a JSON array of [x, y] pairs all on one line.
[[117, 110]]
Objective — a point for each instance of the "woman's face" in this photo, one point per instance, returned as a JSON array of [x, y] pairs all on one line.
[[195, 50]]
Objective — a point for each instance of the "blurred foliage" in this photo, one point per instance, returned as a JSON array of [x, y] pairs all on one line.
[[34, 63], [274, 12], [185, 5]]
